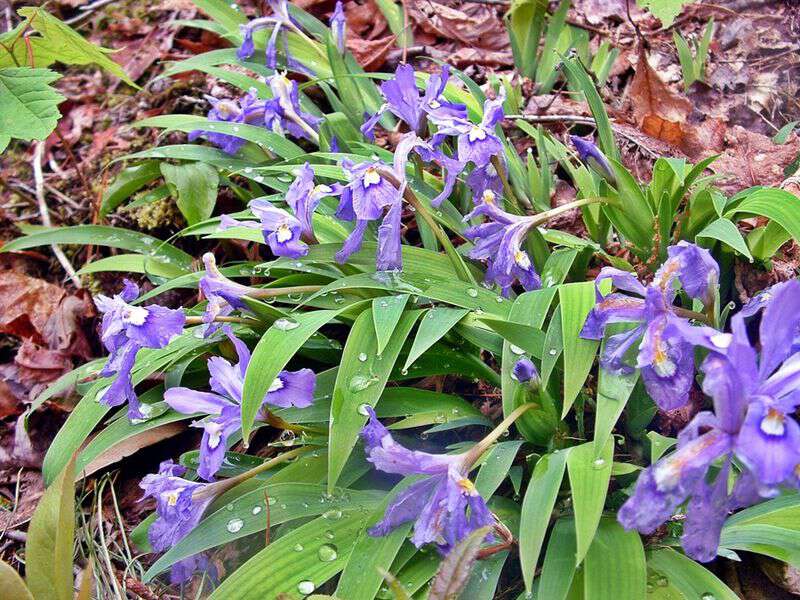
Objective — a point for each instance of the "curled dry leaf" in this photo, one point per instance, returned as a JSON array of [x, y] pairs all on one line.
[[475, 25], [658, 111], [370, 54]]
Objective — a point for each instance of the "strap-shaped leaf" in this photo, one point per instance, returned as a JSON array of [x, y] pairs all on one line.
[[588, 477]]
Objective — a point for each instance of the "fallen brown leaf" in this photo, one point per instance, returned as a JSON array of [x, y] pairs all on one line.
[[26, 304], [657, 110], [370, 54], [475, 25]]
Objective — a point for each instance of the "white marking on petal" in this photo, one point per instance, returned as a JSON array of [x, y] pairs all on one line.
[[135, 315], [284, 233], [277, 384], [371, 177], [522, 259], [476, 133], [722, 340], [772, 423], [489, 197], [172, 496], [214, 431]]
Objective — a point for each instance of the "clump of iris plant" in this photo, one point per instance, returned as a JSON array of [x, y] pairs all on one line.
[[666, 356], [280, 21], [124, 331], [754, 395], [223, 403], [444, 504]]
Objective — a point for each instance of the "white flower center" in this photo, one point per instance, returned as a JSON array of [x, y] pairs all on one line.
[[434, 104], [476, 133], [522, 259], [172, 496], [214, 431], [284, 233], [772, 424], [371, 177], [277, 384], [663, 365], [322, 189], [722, 340], [135, 315], [489, 196], [666, 475]]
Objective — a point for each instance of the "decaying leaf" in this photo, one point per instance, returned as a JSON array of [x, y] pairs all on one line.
[[658, 111], [455, 569], [370, 54]]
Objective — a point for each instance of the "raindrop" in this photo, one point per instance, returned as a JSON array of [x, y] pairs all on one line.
[[333, 515], [552, 352], [383, 304], [286, 324], [359, 383], [305, 587], [271, 500], [329, 534], [327, 553], [708, 596], [248, 169], [298, 547], [229, 506], [234, 525], [439, 418], [516, 349], [363, 409], [599, 463], [472, 292], [256, 509], [362, 357], [662, 581], [258, 179], [499, 299]]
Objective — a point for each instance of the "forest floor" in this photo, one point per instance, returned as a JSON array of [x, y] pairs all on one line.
[[48, 325]]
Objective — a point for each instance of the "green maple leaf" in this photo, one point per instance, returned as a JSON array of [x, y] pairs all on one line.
[[28, 103], [664, 10]]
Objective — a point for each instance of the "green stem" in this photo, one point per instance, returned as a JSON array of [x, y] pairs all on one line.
[[545, 216], [509, 191], [693, 314], [274, 292], [478, 449], [242, 320]]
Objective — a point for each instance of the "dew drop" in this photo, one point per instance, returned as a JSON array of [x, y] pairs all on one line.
[[332, 515], [359, 383], [329, 534], [499, 299], [298, 547], [327, 553], [472, 292], [708, 596], [286, 324], [229, 507], [552, 352], [305, 587], [599, 463], [234, 525], [271, 500], [363, 409], [662, 581], [256, 509], [516, 349], [362, 357]]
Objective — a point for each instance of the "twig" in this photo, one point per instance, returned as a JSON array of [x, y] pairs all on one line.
[[39, 179], [87, 10]]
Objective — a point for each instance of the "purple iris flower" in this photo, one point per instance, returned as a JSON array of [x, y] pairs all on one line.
[[591, 155], [445, 504], [754, 396], [339, 27], [279, 20], [180, 505], [403, 99], [282, 230], [222, 404], [665, 358], [524, 370], [499, 242], [303, 197], [369, 196], [482, 180], [247, 110], [476, 143], [223, 294], [126, 329], [283, 113]]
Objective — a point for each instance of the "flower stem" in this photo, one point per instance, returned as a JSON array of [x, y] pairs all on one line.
[[219, 487], [543, 217], [693, 314], [478, 449], [273, 292], [242, 320], [509, 191]]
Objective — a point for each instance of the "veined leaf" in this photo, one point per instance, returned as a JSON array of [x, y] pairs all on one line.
[[690, 578], [496, 466], [361, 382], [537, 506], [613, 392], [433, 327], [386, 313], [558, 570], [727, 233], [48, 550], [780, 206], [195, 187], [615, 567], [589, 475], [28, 103], [128, 181]]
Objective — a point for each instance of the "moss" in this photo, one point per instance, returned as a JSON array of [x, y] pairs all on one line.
[[157, 214]]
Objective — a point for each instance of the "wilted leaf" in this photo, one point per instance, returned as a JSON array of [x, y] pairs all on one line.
[[26, 304], [455, 568], [658, 111]]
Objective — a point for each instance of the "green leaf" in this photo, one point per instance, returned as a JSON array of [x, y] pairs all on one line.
[[525, 25], [613, 392], [346, 86], [48, 550], [286, 502], [691, 579], [558, 569], [361, 578], [455, 569], [726, 232], [784, 132], [12, 584], [540, 498], [28, 104], [576, 300], [273, 351], [281, 568], [394, 15], [778, 205], [386, 313], [195, 185], [5, 140], [615, 567], [484, 578], [360, 382], [664, 10], [495, 467], [589, 475], [128, 181], [68, 46], [223, 13], [433, 327], [101, 235]]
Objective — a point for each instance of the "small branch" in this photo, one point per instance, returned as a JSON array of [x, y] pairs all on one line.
[[38, 153]]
